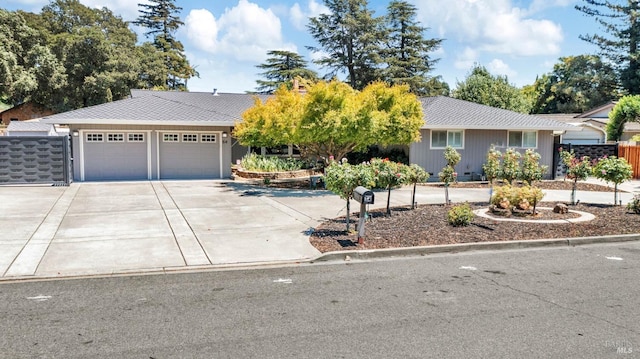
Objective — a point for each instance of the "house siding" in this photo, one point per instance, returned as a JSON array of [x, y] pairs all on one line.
[[474, 153]]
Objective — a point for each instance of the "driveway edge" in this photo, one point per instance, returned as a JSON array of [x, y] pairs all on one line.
[[341, 256], [467, 247]]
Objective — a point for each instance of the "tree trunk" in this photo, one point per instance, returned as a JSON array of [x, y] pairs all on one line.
[[348, 210], [413, 196], [574, 189], [389, 201]]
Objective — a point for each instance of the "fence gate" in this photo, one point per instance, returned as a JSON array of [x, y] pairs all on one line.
[[42, 159]]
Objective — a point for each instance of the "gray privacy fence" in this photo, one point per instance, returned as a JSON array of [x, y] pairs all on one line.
[[594, 151], [38, 159]]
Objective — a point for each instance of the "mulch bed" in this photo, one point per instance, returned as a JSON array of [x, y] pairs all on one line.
[[427, 225]]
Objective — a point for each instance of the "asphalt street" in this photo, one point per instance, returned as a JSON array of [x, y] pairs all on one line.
[[570, 302]]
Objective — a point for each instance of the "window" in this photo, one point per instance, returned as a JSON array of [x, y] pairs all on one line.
[[170, 137], [189, 137], [135, 137], [442, 139], [207, 138], [523, 139], [94, 137], [115, 137]]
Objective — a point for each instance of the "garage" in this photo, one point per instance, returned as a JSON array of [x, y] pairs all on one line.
[[188, 155], [114, 155]]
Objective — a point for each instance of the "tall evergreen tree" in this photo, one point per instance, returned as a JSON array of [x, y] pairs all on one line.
[[161, 19], [619, 43], [281, 68], [350, 39], [408, 52]]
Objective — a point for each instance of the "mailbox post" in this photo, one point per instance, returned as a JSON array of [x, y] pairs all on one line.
[[364, 197]]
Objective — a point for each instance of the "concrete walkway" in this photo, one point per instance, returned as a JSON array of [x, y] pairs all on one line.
[[129, 227]]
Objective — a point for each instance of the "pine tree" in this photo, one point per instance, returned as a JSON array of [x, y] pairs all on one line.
[[621, 24], [350, 36], [160, 17], [407, 54], [281, 68]]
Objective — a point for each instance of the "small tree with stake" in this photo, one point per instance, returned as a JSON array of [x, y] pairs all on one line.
[[491, 168], [448, 174], [388, 174], [613, 169], [415, 175], [577, 170], [342, 178]]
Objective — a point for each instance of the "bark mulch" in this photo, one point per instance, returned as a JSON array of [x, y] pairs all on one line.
[[427, 225]]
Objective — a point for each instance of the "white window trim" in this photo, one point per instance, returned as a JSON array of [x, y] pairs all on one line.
[[214, 137], [172, 134], [193, 137], [431, 146], [136, 133], [115, 134], [521, 144], [91, 134]]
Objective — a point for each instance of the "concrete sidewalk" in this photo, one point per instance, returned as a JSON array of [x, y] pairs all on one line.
[[129, 227]]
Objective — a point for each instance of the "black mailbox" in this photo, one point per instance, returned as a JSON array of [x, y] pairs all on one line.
[[363, 195]]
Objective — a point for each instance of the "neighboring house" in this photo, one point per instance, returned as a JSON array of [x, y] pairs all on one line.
[[591, 126], [584, 133], [472, 129], [24, 111], [186, 135], [30, 128], [155, 135]]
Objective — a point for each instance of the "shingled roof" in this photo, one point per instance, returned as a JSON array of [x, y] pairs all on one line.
[[212, 109], [163, 107], [442, 112]]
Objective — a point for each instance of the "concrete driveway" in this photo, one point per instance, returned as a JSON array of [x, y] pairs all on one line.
[[102, 228], [124, 227]]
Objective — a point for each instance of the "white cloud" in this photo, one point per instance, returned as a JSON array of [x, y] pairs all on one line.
[[466, 59], [202, 29], [246, 32], [499, 67], [299, 17], [492, 26]]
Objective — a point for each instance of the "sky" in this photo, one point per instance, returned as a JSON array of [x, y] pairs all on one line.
[[226, 39]]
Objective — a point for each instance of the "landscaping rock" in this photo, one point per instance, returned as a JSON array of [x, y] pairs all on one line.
[[561, 208]]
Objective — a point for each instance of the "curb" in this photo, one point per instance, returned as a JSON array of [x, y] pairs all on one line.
[[342, 257], [468, 247]]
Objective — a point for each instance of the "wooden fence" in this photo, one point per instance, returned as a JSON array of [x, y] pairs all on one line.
[[632, 154]]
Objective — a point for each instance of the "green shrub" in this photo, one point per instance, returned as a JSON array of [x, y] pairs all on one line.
[[258, 163], [460, 215], [519, 197], [501, 194], [634, 205]]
